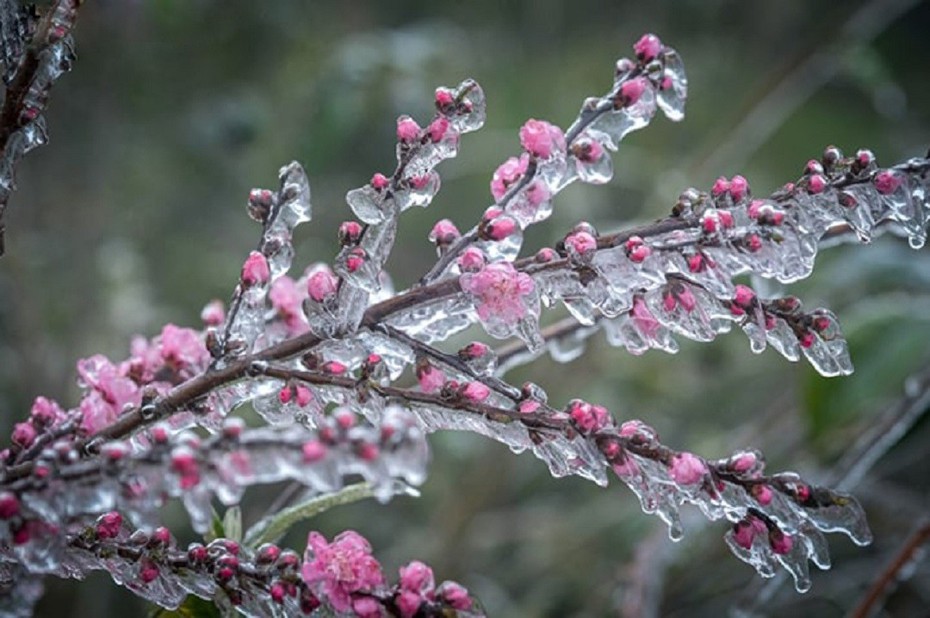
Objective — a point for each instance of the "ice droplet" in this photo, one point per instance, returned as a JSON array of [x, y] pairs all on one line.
[[673, 86]]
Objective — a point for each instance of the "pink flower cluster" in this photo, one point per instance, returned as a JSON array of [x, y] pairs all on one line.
[[343, 573], [500, 291]]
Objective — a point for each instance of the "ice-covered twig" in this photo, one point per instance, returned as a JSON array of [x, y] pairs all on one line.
[[30, 69]]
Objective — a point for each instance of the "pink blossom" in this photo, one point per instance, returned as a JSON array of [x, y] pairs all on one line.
[[541, 139], [546, 254], [631, 91], [430, 378], [322, 285], [407, 130], [303, 395], [255, 270], [647, 47], [887, 182], [499, 291], [337, 570], [212, 313], [287, 300], [687, 469], [509, 172], [24, 434], [474, 351], [182, 349], [588, 150]]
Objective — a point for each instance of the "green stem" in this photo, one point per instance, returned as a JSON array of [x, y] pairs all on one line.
[[272, 528]]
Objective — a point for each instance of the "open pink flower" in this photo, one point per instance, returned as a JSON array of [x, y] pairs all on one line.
[[182, 349], [499, 290], [337, 570]]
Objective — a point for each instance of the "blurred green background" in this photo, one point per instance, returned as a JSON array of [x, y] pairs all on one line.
[[133, 216]]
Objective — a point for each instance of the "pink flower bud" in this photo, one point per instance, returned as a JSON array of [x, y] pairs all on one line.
[[509, 172], [161, 535], [322, 285], [687, 469], [408, 603], [696, 263], [313, 451], [108, 525], [721, 186], [546, 254], [631, 91], [762, 493], [349, 233], [709, 223], [528, 406], [407, 130], [887, 182], [380, 182], [743, 534], [286, 394], [345, 418], [303, 396], [541, 139], [455, 595], [813, 167], [213, 314], [754, 208], [475, 391], [474, 350], [781, 543], [753, 243], [500, 228], [726, 218], [471, 260], [640, 253], [806, 339], [416, 577], [9, 505], [686, 299], [430, 378], [277, 592], [444, 233], [581, 244], [647, 47], [816, 184], [669, 302], [739, 187], [333, 368], [367, 451], [24, 434], [438, 128], [355, 259], [444, 99], [149, 571], [744, 296], [255, 270]]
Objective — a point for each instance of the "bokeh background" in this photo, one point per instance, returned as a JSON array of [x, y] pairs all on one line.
[[134, 216]]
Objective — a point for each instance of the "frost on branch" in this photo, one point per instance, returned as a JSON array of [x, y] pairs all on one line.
[[347, 374]]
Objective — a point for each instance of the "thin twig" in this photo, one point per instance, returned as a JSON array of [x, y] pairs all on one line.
[[870, 602]]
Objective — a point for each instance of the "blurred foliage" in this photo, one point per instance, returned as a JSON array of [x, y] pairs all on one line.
[[133, 216]]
